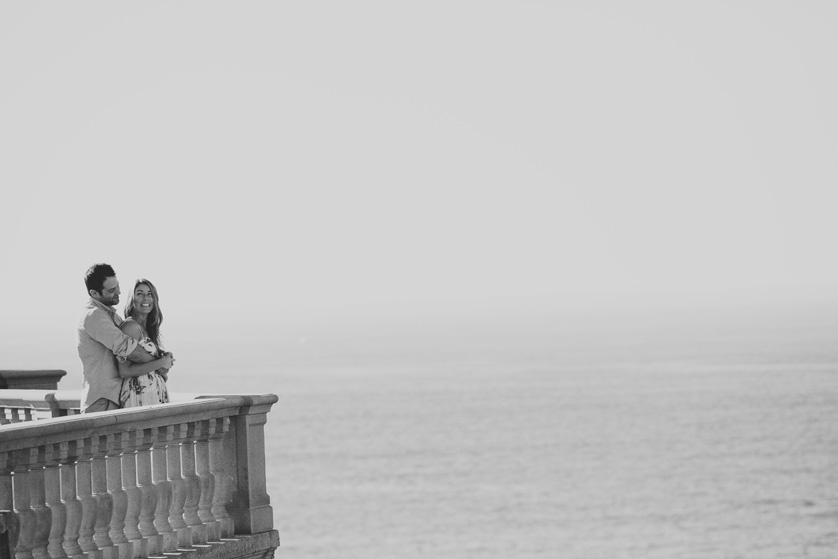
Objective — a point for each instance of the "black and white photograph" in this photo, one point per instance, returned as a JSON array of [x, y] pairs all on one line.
[[452, 279]]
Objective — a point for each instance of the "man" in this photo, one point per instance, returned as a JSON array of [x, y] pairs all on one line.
[[100, 340]]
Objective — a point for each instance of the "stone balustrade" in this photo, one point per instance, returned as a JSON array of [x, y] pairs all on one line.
[[20, 405], [177, 478]]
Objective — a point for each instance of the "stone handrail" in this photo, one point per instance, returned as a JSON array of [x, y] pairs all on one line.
[[138, 482], [25, 405]]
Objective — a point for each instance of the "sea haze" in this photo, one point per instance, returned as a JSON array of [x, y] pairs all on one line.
[[695, 434]]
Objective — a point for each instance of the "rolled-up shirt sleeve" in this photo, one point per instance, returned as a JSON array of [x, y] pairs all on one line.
[[102, 329]]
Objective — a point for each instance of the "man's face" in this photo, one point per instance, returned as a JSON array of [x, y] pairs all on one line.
[[110, 292]]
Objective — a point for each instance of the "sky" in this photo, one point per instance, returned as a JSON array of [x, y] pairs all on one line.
[[278, 161]]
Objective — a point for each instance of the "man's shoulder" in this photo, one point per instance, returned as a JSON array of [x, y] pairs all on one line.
[[95, 313], [93, 310]]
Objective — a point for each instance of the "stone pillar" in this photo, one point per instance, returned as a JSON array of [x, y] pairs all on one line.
[[251, 510]]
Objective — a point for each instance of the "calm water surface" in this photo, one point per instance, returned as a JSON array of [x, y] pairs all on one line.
[[681, 436]]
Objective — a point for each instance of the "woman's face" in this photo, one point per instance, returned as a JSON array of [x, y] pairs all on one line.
[[143, 299]]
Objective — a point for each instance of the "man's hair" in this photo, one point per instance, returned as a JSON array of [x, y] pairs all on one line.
[[96, 275]]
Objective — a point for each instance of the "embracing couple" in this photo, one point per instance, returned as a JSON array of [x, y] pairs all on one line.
[[124, 364]]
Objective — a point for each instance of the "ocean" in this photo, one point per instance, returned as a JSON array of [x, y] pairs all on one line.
[[694, 435], [649, 436]]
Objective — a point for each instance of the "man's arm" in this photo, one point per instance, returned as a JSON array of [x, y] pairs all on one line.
[[101, 328], [144, 363], [127, 369], [139, 355]]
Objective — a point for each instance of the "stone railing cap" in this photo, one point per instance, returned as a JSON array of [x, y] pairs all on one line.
[[24, 373], [75, 427]]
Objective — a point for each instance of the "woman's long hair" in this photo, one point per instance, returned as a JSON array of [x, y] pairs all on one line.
[[155, 317]]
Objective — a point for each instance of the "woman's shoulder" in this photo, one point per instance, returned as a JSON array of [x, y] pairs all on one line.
[[132, 328]]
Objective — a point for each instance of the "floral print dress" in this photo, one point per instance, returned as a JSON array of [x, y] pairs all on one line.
[[145, 389]]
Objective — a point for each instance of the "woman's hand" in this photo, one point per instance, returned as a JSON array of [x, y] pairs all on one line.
[[168, 360]]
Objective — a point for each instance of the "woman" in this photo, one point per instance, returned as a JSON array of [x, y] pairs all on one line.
[[144, 383]]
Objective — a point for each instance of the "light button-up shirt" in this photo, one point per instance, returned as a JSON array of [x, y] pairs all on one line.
[[100, 344]]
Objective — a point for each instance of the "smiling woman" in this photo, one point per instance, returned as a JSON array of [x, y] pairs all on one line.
[[144, 384]]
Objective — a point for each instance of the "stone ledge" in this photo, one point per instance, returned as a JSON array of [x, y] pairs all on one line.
[[255, 546], [39, 379]]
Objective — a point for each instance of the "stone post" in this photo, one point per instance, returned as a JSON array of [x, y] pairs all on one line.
[[250, 508]]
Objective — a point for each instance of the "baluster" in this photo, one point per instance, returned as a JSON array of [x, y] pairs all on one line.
[[6, 500], [116, 445], [193, 485], [207, 481], [22, 459], [52, 498], [163, 487], [84, 490], [103, 500], [173, 464], [72, 506], [138, 544], [223, 482], [148, 492], [37, 495]]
